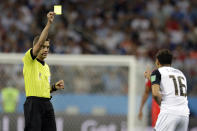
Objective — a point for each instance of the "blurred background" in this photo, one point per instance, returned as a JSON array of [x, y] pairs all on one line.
[[97, 95]]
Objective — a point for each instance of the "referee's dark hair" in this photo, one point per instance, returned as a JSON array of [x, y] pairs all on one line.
[[36, 38], [164, 56]]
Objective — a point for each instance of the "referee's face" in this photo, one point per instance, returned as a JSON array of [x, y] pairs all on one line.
[[44, 50]]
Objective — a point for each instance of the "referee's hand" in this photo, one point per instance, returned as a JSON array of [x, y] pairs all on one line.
[[59, 85], [50, 17]]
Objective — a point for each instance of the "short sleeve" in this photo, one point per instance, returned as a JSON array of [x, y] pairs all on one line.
[[28, 58], [148, 83], [155, 77]]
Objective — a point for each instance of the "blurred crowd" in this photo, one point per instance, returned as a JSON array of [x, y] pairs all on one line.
[[111, 80], [123, 27]]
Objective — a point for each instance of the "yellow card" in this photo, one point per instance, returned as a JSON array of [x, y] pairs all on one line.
[[58, 9]]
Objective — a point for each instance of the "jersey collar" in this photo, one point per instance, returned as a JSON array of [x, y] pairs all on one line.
[[42, 62]]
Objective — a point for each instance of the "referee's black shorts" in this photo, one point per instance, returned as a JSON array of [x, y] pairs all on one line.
[[39, 114]]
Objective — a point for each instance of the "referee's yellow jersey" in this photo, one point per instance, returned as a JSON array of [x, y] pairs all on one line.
[[36, 76]]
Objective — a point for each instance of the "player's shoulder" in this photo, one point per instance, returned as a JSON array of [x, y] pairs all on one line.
[[28, 57], [170, 70], [155, 72], [28, 51]]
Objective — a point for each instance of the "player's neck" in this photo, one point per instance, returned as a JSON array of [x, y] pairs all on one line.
[[39, 58], [166, 65]]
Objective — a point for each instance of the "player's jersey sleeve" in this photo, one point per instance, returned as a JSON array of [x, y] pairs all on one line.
[[28, 58], [148, 83], [155, 77]]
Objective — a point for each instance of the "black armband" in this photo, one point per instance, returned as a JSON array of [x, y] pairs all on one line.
[[53, 88], [155, 77]]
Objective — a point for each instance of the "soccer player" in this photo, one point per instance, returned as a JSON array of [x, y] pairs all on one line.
[[169, 88], [38, 110], [155, 107]]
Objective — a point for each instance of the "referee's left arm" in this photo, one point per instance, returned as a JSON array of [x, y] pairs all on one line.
[[57, 86]]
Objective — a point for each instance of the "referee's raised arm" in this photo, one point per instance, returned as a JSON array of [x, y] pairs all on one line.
[[37, 46]]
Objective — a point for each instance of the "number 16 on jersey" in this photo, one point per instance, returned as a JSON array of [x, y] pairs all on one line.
[[181, 85]]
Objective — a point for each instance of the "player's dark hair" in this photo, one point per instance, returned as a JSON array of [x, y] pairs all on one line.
[[164, 57], [36, 38]]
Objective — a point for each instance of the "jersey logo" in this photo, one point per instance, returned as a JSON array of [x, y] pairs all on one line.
[[153, 78]]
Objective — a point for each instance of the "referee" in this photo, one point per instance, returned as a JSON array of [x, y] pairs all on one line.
[[38, 110]]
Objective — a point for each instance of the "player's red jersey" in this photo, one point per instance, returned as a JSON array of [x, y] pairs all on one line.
[[155, 107]]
